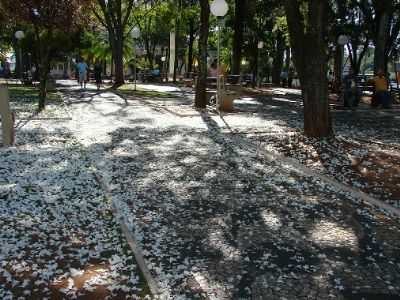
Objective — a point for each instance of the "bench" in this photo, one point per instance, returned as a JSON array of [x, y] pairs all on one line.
[[395, 93], [189, 79], [151, 78]]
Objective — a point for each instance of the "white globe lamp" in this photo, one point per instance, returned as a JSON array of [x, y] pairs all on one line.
[[19, 35], [343, 39], [219, 8], [135, 32]]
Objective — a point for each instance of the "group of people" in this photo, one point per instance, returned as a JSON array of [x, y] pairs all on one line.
[[352, 93], [83, 73]]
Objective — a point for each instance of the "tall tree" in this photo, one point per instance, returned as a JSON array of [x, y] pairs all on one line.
[[382, 19], [115, 15], [154, 20], [307, 27], [192, 33], [50, 20], [278, 56], [201, 95]]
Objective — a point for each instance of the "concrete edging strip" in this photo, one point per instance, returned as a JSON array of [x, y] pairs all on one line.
[[136, 249], [304, 170], [281, 160]]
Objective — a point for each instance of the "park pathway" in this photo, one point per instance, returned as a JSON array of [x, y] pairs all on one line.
[[215, 219], [59, 238]]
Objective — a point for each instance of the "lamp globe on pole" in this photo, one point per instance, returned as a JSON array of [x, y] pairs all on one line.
[[342, 40], [260, 45], [163, 59], [19, 35], [135, 33], [219, 8]]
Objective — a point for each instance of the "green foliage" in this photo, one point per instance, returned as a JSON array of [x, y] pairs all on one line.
[[95, 46]]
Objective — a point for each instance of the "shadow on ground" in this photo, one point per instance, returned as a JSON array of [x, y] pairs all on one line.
[[212, 216]]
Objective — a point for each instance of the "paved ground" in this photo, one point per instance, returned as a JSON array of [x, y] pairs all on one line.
[[364, 154], [59, 238], [215, 218]]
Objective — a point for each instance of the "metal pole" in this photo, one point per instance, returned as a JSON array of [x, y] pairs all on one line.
[[218, 64], [342, 65], [396, 71], [258, 68], [134, 65], [20, 63]]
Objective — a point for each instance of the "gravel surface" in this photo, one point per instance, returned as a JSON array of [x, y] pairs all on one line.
[[217, 221], [59, 239], [365, 153], [214, 218]]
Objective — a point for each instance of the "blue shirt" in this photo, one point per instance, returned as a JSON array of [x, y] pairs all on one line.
[[82, 67]]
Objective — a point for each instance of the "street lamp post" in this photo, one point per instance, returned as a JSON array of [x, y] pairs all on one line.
[[260, 45], [163, 59], [19, 35], [135, 35], [219, 8], [342, 40]]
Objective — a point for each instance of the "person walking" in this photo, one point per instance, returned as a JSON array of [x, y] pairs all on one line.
[[351, 91], [97, 74], [82, 72], [284, 78]]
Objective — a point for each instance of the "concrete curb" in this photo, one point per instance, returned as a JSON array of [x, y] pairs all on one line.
[[136, 249], [282, 161]]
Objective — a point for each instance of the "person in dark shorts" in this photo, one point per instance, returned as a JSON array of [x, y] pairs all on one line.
[[352, 94], [97, 74]]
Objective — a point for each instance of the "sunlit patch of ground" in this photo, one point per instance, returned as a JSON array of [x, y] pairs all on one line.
[[214, 217], [58, 236]]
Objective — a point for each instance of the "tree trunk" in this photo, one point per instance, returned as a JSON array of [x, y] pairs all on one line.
[[338, 65], [255, 67], [287, 58], [201, 95], [240, 13], [44, 75], [42, 93], [278, 58], [381, 41], [309, 51], [317, 119], [119, 62], [267, 68]]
